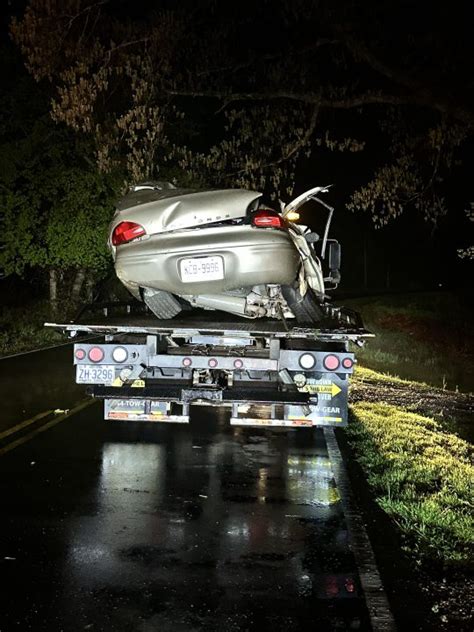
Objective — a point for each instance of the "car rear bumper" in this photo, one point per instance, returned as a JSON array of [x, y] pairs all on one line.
[[250, 257]]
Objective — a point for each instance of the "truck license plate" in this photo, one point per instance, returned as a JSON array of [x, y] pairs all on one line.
[[90, 374], [201, 269]]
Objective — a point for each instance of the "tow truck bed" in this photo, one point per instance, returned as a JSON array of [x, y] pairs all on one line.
[[341, 325], [269, 373]]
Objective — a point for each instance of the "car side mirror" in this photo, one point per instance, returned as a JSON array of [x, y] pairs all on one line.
[[334, 255]]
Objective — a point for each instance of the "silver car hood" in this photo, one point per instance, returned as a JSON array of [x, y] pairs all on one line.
[[171, 209]]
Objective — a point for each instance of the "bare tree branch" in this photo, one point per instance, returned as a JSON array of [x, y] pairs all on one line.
[[420, 94], [369, 98], [233, 68]]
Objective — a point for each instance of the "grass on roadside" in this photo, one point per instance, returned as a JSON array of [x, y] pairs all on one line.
[[423, 478], [21, 329], [363, 374], [425, 336]]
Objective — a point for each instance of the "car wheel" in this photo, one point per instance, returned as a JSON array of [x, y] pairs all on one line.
[[307, 309], [163, 304]]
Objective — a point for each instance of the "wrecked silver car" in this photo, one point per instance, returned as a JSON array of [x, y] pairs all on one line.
[[222, 250]]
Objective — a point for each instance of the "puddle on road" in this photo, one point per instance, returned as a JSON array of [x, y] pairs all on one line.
[[261, 536]]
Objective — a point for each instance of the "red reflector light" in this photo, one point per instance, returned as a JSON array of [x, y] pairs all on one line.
[[125, 232], [347, 363], [267, 219], [80, 354], [96, 354], [212, 363], [331, 362], [349, 584], [187, 361], [238, 363]]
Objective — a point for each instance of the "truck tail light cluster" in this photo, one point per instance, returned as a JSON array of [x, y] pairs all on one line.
[[119, 354], [331, 362], [97, 354], [307, 361]]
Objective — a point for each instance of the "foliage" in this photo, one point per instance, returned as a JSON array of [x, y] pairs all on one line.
[[423, 478], [468, 253], [177, 87], [55, 205], [23, 329], [421, 336], [56, 217]]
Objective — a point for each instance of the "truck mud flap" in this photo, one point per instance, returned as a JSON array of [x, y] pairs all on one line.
[[142, 410], [330, 409]]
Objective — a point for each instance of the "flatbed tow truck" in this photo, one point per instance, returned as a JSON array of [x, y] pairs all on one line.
[[267, 372]]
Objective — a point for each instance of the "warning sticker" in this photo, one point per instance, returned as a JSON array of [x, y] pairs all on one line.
[[328, 404]]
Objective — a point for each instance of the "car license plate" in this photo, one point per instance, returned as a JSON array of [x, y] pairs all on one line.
[[202, 269], [90, 374]]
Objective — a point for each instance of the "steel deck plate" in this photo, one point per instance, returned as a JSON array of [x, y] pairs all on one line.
[[326, 330]]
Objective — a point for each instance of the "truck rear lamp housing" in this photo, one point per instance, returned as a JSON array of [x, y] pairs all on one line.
[[96, 354], [307, 361], [238, 364], [212, 363], [331, 362], [80, 354], [120, 355], [348, 363], [187, 361]]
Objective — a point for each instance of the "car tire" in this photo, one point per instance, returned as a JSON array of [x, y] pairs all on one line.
[[163, 304], [307, 309]]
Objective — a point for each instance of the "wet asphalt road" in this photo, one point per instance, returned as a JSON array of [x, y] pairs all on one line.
[[127, 526]]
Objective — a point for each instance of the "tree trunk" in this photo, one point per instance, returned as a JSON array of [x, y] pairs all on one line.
[[366, 270], [90, 288], [53, 289], [77, 285]]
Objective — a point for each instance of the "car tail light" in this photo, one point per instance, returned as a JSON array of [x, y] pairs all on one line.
[[96, 354], [348, 363], [331, 362], [126, 231], [267, 219], [80, 354]]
